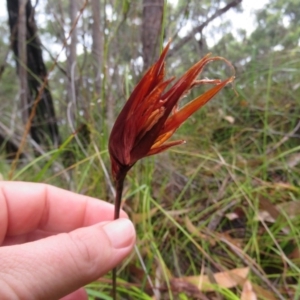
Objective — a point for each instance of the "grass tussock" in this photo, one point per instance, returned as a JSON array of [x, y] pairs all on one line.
[[216, 218]]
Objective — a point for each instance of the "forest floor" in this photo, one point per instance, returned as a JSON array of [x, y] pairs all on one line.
[[216, 218]]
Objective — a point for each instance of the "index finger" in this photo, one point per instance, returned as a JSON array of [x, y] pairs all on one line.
[[26, 206]]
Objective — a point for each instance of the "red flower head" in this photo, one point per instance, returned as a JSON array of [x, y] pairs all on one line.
[[151, 115]]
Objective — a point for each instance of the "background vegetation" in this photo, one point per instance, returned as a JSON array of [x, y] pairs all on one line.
[[217, 218]]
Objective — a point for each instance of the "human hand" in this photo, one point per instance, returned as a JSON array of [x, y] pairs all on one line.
[[54, 241]]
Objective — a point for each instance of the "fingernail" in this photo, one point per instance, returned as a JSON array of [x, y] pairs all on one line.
[[120, 232]]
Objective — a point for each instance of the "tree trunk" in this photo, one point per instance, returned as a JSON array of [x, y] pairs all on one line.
[[151, 29], [71, 65], [23, 86], [97, 45], [32, 73]]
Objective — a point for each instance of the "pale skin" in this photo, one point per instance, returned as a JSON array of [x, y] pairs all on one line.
[[53, 242]]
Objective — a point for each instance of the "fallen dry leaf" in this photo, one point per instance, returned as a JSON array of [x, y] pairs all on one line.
[[227, 279], [265, 294], [247, 292], [229, 119], [271, 213], [266, 205], [293, 160], [232, 216], [290, 208], [295, 255], [227, 237]]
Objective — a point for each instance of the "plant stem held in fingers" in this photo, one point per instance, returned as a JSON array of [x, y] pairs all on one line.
[[118, 200]]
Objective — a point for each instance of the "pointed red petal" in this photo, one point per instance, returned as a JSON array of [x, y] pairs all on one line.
[[162, 138], [184, 83], [149, 104], [150, 80], [164, 147], [171, 98], [123, 132], [180, 116]]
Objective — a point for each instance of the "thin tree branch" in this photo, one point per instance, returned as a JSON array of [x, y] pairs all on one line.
[[284, 139], [199, 28]]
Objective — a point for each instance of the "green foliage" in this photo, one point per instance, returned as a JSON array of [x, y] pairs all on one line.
[[241, 156]]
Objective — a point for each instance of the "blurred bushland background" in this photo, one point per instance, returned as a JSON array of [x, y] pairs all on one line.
[[218, 217]]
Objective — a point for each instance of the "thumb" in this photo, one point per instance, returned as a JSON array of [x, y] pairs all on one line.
[[55, 266]]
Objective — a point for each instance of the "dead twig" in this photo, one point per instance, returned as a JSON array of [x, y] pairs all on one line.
[[284, 139]]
